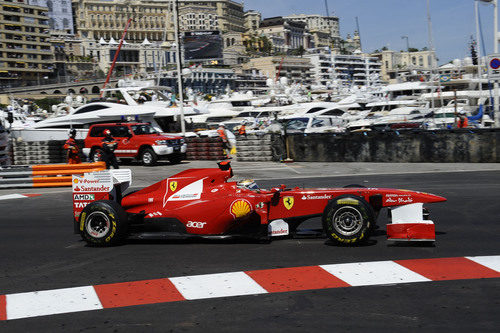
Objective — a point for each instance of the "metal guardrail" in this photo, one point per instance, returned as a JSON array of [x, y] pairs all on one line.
[[44, 175]]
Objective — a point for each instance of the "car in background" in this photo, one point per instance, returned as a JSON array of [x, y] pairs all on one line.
[[138, 141]]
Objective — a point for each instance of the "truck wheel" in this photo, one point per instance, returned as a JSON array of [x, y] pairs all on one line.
[[148, 157], [96, 155], [103, 223], [347, 219]]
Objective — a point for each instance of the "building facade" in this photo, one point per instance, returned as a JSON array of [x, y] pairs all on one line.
[[286, 35], [324, 29], [60, 13], [406, 66], [230, 14], [295, 69], [198, 17], [96, 19], [252, 20], [331, 69], [25, 51]]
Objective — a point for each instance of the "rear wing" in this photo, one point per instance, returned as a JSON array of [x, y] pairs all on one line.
[[101, 185]]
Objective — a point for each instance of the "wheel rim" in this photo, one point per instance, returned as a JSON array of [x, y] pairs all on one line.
[[147, 158], [347, 221], [98, 224]]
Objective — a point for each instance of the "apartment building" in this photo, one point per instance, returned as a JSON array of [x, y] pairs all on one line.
[[330, 69], [295, 69], [406, 66], [25, 51], [230, 14], [285, 35], [324, 29], [96, 19], [252, 20]]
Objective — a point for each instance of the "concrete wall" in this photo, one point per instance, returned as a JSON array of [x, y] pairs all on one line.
[[476, 146]]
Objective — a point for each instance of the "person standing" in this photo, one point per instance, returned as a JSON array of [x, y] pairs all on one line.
[[226, 147], [72, 150], [242, 130], [109, 145], [462, 121]]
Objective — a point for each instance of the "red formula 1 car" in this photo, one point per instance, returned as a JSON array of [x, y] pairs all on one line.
[[203, 203]]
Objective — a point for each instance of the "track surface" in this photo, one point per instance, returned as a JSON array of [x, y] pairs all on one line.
[[40, 252]]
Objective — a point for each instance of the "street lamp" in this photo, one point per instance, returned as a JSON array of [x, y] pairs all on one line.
[[496, 99]]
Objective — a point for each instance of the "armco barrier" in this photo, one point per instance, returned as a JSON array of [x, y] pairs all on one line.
[[204, 148], [50, 175], [441, 146], [254, 148], [39, 152]]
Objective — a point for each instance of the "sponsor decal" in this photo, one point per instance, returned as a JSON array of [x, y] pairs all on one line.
[[81, 204], [278, 228], [151, 199], [398, 198], [190, 192], [240, 208], [173, 186], [288, 202], [347, 201], [194, 224], [316, 197], [93, 182], [155, 214], [102, 188], [214, 190], [83, 197]]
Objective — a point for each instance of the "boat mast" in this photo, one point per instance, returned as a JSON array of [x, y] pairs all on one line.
[[179, 69]]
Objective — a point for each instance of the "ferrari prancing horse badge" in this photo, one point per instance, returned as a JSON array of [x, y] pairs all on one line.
[[173, 186], [288, 202]]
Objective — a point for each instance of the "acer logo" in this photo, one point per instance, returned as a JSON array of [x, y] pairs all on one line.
[[199, 225]]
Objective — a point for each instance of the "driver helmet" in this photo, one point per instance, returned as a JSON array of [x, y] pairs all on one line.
[[107, 132], [249, 184]]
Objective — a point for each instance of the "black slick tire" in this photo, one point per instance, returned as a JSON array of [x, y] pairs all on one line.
[[347, 220], [103, 223]]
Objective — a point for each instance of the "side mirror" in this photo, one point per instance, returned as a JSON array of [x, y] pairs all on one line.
[[275, 200]]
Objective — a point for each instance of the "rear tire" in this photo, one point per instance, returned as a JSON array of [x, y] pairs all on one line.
[[148, 157], [103, 223], [347, 220]]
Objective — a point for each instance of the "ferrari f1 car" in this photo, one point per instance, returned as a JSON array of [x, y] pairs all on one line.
[[203, 203]]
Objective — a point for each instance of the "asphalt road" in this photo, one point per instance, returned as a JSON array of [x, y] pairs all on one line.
[[39, 251]]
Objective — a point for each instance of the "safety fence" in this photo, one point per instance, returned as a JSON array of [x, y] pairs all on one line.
[[254, 148], [49, 175], [204, 148], [39, 152]]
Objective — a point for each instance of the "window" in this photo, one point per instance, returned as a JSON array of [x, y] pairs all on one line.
[[90, 108], [315, 109], [143, 129]]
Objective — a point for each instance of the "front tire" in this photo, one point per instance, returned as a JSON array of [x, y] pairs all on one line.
[[347, 220], [103, 223], [149, 157]]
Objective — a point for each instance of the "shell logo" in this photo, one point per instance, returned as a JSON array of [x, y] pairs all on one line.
[[240, 208], [75, 181]]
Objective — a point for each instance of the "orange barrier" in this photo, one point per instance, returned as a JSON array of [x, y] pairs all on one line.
[[46, 175]]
